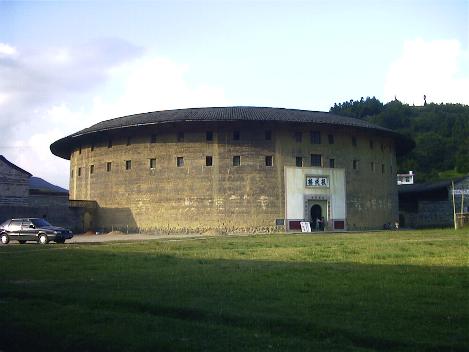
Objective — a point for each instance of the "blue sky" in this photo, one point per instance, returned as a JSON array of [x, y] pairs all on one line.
[[67, 65]]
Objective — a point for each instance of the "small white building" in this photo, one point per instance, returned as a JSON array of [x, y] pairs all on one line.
[[405, 179], [313, 194]]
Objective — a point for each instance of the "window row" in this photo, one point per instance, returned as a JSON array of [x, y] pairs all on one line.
[[316, 160], [373, 166], [236, 136], [236, 161], [315, 138]]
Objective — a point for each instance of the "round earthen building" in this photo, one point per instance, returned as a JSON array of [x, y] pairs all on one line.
[[234, 169]]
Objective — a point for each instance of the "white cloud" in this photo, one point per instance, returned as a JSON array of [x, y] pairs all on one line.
[[437, 69], [50, 93], [38, 78], [155, 83], [7, 50]]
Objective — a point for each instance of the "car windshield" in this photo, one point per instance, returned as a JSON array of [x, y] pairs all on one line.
[[40, 222]]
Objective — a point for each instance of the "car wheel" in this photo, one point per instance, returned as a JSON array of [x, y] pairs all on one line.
[[5, 238], [60, 241], [22, 241], [43, 239]]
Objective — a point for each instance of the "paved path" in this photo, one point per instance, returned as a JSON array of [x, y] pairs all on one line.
[[85, 238], [119, 236], [110, 237]]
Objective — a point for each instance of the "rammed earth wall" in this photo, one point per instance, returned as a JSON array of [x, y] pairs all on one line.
[[249, 197]]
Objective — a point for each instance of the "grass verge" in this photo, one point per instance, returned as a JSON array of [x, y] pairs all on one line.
[[397, 291]]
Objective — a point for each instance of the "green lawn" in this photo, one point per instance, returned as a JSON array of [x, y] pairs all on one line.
[[396, 291]]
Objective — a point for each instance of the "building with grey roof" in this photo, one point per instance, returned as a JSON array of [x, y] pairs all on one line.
[[23, 195], [430, 204], [235, 169]]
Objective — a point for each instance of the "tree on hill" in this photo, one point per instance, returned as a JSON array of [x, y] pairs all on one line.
[[359, 109], [440, 131]]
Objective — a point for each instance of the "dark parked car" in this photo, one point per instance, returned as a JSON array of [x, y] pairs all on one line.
[[32, 229]]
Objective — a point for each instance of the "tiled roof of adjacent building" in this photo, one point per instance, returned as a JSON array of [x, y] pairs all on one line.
[[62, 147], [428, 186], [39, 185], [10, 164]]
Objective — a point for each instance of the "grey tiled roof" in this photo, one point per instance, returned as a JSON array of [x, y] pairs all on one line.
[[233, 113], [39, 184], [428, 186], [63, 146], [9, 163]]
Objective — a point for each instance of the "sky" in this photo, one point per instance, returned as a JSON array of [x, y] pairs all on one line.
[[66, 65]]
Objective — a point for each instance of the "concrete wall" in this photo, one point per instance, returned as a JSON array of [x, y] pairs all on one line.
[[249, 197], [429, 214], [59, 215]]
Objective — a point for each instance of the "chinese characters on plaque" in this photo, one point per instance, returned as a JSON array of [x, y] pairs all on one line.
[[305, 226], [317, 181]]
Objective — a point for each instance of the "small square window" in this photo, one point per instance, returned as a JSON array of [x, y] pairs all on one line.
[[109, 143], [236, 135], [181, 137], [268, 135], [153, 163], [128, 164], [91, 169], [79, 171], [208, 160], [279, 222], [315, 137], [153, 138], [316, 160], [108, 166], [129, 140], [355, 164], [332, 163], [299, 161], [354, 141], [269, 160], [209, 136], [236, 160], [180, 161], [298, 136], [330, 138]]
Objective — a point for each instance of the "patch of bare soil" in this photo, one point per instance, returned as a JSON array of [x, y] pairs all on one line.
[[114, 233], [212, 232], [88, 233]]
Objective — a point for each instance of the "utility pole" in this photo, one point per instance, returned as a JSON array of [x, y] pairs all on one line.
[[454, 208]]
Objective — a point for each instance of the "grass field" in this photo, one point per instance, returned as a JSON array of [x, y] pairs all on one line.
[[396, 291]]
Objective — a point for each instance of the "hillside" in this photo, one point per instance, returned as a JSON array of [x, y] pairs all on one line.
[[440, 132]]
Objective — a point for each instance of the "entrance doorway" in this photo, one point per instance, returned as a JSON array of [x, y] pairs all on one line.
[[316, 215], [87, 221]]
